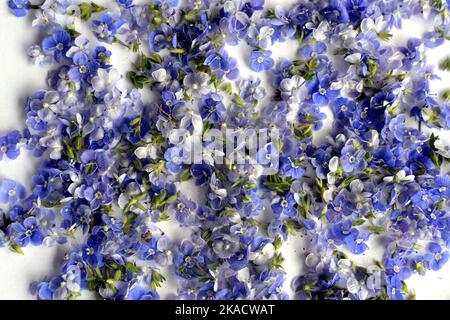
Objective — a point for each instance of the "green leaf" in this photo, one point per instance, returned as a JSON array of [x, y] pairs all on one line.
[[373, 67], [376, 229], [385, 36], [228, 88], [445, 65], [14, 247], [133, 268], [346, 182], [177, 50], [303, 131], [277, 261], [446, 95], [278, 242], [157, 280], [435, 157], [117, 275], [138, 80], [89, 168], [238, 100], [87, 9], [359, 222], [279, 186]]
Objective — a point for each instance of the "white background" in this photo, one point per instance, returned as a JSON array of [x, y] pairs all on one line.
[[19, 78]]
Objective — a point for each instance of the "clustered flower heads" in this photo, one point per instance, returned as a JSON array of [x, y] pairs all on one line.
[[111, 180]]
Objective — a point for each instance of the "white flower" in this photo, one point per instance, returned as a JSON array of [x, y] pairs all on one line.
[[146, 152], [160, 75], [105, 79], [263, 256]]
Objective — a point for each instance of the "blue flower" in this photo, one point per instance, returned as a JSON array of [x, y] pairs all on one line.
[[57, 44], [11, 192], [356, 9], [185, 210], [149, 249], [355, 241], [398, 267], [292, 168], [352, 159], [321, 92], [44, 182], [432, 40], [394, 288], [201, 172], [285, 205], [217, 60], [28, 231], [261, 60], [336, 12], [125, 3], [213, 109], [91, 251], [137, 292], [437, 257], [9, 145], [19, 8], [343, 108], [81, 68], [189, 262], [106, 27]]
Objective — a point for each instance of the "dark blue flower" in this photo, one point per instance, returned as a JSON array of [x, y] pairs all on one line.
[[213, 109], [394, 288], [57, 44], [91, 251], [201, 173], [336, 12], [81, 68]]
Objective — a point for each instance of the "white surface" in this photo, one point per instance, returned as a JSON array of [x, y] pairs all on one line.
[[19, 78]]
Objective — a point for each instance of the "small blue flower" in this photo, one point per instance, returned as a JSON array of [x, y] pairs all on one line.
[[352, 159], [149, 249], [58, 44], [261, 60], [285, 205], [292, 168], [28, 231], [356, 242], [11, 192], [432, 40], [213, 109], [437, 257], [343, 108], [320, 91], [201, 172], [19, 8], [106, 27], [91, 251], [9, 145]]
